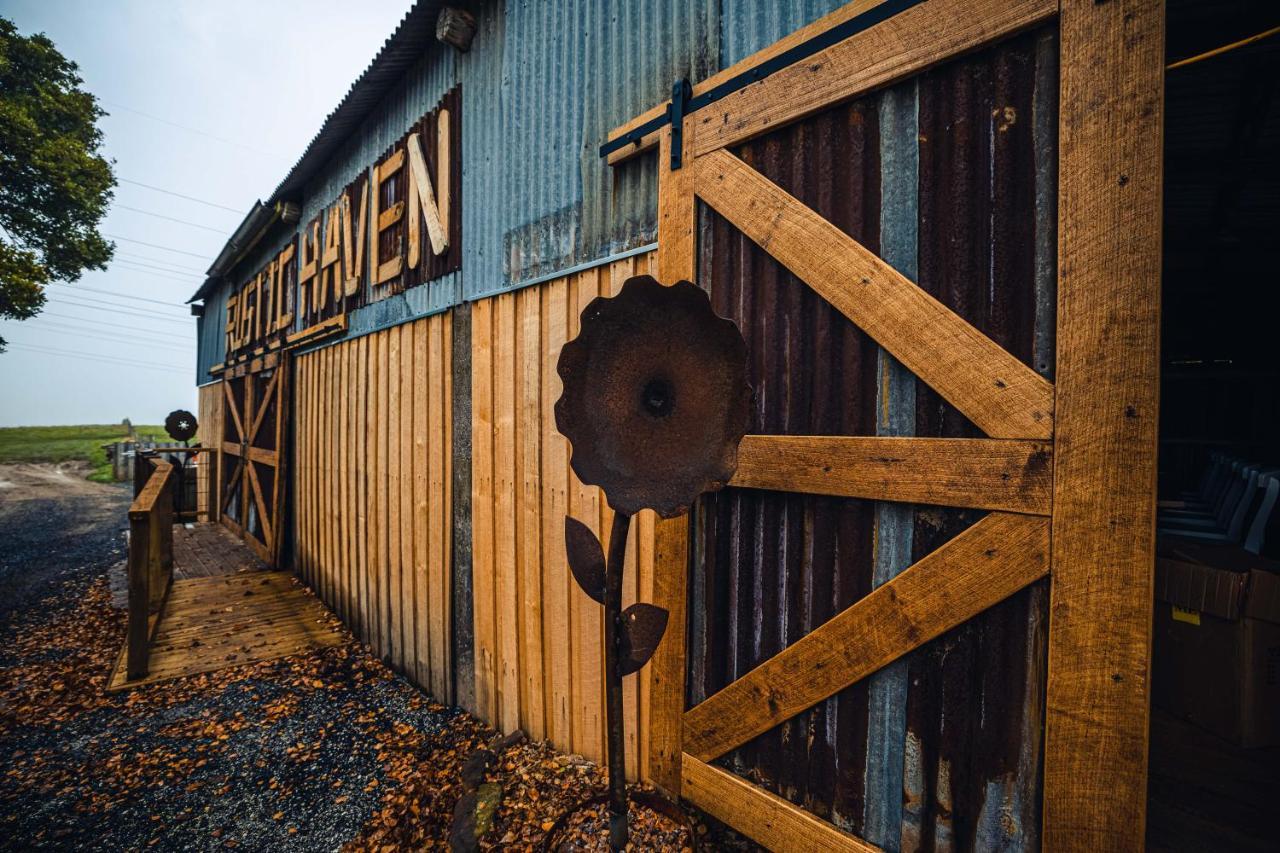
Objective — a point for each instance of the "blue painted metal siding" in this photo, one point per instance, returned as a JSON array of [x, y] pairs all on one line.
[[542, 85], [210, 340], [747, 26]]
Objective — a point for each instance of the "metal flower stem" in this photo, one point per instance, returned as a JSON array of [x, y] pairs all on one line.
[[613, 680]]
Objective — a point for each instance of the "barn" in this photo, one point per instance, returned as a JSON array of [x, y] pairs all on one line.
[[920, 616]]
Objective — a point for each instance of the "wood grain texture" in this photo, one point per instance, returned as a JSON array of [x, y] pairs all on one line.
[[676, 254], [1109, 230], [982, 566], [667, 667], [209, 417], [761, 815], [906, 44], [359, 466], [826, 22], [676, 259], [482, 563], [528, 526], [504, 520], [1000, 394], [556, 582], [1000, 474], [421, 186], [585, 504], [279, 617], [549, 636]]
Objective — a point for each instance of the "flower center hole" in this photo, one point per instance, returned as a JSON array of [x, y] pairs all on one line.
[[658, 398]]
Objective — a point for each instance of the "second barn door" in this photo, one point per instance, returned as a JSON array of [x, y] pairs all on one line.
[[255, 408]]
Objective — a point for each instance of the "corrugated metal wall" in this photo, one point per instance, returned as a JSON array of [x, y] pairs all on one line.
[[211, 341], [572, 72], [541, 87], [747, 26], [943, 177]]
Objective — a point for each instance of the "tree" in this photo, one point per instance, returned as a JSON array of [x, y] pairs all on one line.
[[54, 185]]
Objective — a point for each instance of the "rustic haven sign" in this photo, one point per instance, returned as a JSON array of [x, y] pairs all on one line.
[[396, 226]]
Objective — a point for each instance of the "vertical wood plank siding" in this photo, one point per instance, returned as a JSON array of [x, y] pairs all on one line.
[[538, 639], [209, 415], [372, 491]]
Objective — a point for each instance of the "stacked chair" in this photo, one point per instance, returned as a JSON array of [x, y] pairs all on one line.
[[1233, 505]]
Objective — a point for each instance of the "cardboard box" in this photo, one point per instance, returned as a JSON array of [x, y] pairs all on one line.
[[1216, 655]]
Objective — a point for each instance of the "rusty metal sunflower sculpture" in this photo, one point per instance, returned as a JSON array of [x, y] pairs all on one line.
[[655, 402], [655, 397]]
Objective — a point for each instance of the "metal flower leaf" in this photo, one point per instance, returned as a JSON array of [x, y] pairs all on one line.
[[642, 628], [586, 558]]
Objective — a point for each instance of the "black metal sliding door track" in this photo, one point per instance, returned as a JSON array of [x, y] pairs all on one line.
[[683, 102]]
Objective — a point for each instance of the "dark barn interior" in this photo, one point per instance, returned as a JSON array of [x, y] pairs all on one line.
[[1221, 252], [1212, 786]]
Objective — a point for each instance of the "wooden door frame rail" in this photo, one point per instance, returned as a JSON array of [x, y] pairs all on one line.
[[1082, 514]]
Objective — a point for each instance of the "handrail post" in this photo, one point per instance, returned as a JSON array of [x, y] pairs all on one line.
[[150, 563], [139, 593]]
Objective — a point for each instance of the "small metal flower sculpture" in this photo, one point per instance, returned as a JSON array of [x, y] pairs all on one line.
[[181, 425], [655, 403]]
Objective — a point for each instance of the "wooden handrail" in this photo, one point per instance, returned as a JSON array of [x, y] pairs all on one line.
[[150, 563]]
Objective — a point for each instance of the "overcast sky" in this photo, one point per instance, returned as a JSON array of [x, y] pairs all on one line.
[[214, 101]]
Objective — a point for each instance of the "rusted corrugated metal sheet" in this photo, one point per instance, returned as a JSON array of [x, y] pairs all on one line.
[[941, 751], [974, 701], [775, 566]]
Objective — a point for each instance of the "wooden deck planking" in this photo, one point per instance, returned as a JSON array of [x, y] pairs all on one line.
[[210, 623], [226, 609]]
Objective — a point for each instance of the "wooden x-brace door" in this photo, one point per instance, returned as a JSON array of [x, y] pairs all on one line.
[[1065, 470], [255, 409]]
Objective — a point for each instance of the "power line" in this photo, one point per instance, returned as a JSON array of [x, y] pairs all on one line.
[[234, 210], [138, 271], [177, 340], [123, 340], [170, 218], [157, 246], [121, 311], [157, 267], [119, 295], [147, 365], [171, 264], [181, 341], [194, 130], [96, 301], [131, 264], [96, 322]]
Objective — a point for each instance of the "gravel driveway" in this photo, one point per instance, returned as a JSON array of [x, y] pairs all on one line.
[[291, 754], [320, 751], [55, 524]]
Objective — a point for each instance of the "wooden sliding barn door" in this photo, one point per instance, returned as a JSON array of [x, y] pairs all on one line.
[[254, 420], [920, 615]]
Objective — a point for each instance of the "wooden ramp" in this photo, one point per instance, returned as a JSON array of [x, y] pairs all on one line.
[[224, 609], [215, 622]]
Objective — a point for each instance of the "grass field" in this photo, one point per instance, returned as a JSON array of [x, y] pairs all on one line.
[[68, 443]]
